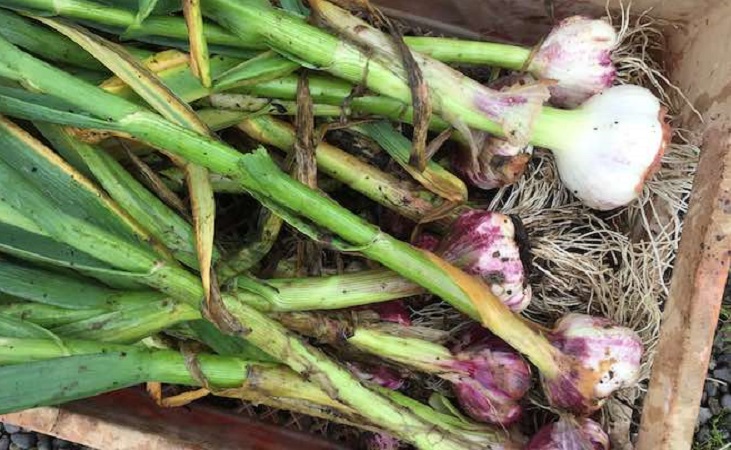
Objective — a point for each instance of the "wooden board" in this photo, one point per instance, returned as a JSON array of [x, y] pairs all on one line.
[[128, 419]]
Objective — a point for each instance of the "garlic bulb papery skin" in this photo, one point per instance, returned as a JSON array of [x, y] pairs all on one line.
[[381, 375], [483, 243], [614, 142], [381, 441], [496, 380], [607, 356], [577, 54], [499, 163], [570, 434]]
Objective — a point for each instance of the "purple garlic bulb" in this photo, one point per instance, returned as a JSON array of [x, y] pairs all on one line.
[[427, 241], [499, 163], [605, 356], [394, 311], [577, 54], [491, 379], [380, 375], [483, 243], [381, 441], [570, 434]]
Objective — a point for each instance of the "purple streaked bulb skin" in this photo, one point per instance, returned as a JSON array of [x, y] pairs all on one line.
[[427, 241], [381, 441], [394, 311], [483, 243], [380, 375], [577, 54], [570, 434], [491, 378], [600, 358]]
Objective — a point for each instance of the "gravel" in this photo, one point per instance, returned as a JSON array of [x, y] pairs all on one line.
[[24, 441], [714, 418], [11, 429], [16, 438]]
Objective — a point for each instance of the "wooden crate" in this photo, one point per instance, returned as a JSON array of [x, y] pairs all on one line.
[[699, 63]]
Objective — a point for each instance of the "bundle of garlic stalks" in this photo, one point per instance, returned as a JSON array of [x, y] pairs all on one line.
[[313, 212]]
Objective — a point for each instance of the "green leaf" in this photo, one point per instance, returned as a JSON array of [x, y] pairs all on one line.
[[227, 345], [47, 316], [130, 324], [144, 9], [50, 288], [295, 6], [29, 110], [199, 59], [61, 184], [266, 66], [22, 329], [435, 177], [60, 380], [146, 208], [47, 252], [43, 42], [148, 86]]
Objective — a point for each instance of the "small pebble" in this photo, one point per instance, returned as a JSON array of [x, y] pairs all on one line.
[[24, 441], [10, 429], [704, 415], [724, 388], [726, 402], [715, 406], [711, 388], [704, 435], [60, 443], [723, 374], [712, 364], [44, 442], [4, 442]]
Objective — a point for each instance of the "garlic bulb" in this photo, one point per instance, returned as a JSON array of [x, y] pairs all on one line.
[[570, 434], [614, 144], [596, 346], [577, 55], [483, 243]]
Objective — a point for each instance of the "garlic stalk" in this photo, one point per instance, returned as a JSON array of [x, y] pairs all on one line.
[[576, 55]]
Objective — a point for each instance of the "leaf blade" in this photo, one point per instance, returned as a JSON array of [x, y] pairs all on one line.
[[199, 59]]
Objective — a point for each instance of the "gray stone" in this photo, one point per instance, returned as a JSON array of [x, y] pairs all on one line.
[[711, 388], [723, 374], [44, 442], [711, 364], [4, 442], [704, 435], [723, 388], [60, 443], [726, 402], [725, 359], [715, 406], [24, 440], [10, 429], [704, 415]]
